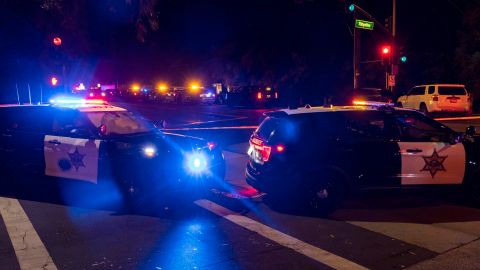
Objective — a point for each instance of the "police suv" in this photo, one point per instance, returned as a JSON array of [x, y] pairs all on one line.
[[318, 154], [89, 141]]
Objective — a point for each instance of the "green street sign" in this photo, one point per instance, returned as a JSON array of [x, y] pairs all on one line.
[[364, 24]]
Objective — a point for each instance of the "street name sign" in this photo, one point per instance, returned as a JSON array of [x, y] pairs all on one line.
[[364, 24]]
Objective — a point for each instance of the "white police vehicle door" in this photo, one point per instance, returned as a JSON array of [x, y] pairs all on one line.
[[427, 155], [71, 151]]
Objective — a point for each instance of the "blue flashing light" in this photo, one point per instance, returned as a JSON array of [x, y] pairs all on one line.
[[197, 163], [209, 94]]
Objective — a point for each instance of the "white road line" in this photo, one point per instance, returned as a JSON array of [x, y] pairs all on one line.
[[30, 251], [431, 237], [288, 241]]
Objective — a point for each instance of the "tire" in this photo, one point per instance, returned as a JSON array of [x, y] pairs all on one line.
[[423, 109], [325, 196], [399, 105]]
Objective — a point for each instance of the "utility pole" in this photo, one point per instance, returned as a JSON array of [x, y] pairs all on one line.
[[395, 51], [394, 18]]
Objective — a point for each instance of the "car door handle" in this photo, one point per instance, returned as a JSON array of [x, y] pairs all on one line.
[[54, 142], [416, 150]]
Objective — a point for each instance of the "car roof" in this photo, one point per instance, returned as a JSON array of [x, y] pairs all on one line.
[[321, 109]]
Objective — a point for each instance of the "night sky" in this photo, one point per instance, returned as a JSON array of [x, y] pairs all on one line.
[[301, 45]]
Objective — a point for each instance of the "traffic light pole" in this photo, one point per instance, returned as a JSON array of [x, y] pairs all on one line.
[[356, 57]]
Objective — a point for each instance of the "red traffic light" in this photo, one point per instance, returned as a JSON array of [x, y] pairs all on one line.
[[386, 50], [57, 41], [54, 81]]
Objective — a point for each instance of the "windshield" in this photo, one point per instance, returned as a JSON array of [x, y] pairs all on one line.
[[445, 90], [120, 123]]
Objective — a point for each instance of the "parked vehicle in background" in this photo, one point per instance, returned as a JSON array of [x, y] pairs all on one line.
[[207, 96], [95, 93], [253, 96], [433, 98]]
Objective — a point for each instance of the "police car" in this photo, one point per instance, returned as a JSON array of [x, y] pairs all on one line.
[[318, 154], [89, 141]]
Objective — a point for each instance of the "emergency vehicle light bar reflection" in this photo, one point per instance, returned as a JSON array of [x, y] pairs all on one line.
[[371, 103], [61, 101]]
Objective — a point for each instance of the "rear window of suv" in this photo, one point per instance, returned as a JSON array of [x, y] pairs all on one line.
[[449, 90]]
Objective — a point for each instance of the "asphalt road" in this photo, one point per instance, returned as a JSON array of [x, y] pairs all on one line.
[[42, 229]]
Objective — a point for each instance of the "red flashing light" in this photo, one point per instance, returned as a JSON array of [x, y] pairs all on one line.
[[57, 41], [259, 95]]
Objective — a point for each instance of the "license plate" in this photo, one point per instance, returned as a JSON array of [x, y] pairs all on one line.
[[453, 101]]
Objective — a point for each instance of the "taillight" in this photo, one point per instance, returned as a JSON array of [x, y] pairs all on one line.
[[435, 98], [103, 129], [211, 145], [263, 150], [259, 95]]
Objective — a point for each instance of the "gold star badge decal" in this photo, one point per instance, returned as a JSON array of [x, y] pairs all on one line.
[[76, 159], [434, 163]]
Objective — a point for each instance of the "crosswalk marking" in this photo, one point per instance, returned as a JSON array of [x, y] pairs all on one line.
[[288, 241], [432, 237], [29, 249]]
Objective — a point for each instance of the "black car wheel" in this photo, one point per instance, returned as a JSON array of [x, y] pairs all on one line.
[[325, 196], [423, 109], [399, 105]]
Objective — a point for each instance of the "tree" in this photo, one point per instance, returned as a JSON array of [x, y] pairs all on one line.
[[467, 55]]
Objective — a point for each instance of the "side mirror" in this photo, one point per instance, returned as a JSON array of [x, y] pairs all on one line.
[[160, 124], [471, 131], [454, 138]]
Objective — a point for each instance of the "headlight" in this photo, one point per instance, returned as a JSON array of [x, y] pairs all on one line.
[[150, 151], [196, 163]]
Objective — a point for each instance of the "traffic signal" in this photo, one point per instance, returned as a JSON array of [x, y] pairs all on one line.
[[403, 59], [349, 7], [388, 23], [386, 52]]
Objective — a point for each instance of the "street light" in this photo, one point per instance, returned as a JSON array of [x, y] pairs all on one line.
[[54, 81]]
